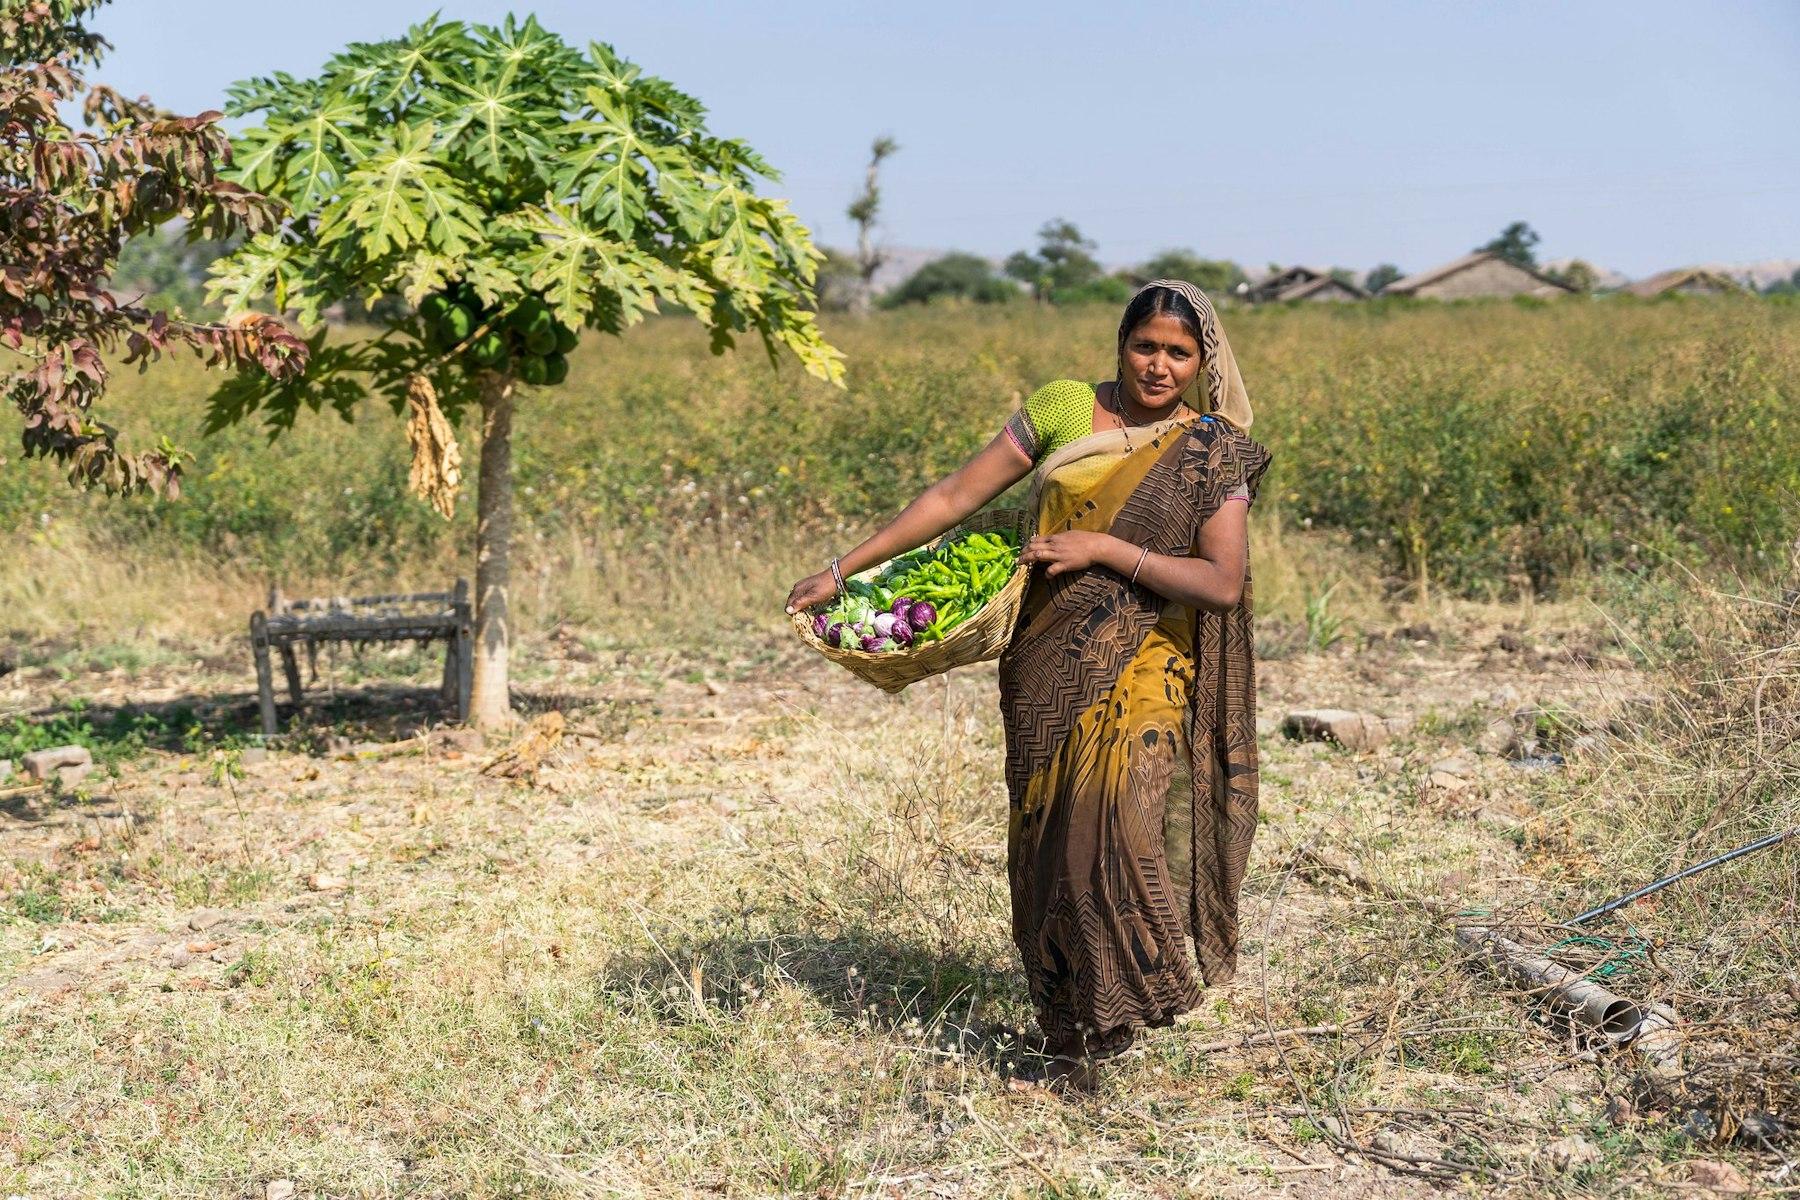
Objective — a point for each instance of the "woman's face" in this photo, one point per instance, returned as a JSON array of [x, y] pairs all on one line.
[[1161, 362]]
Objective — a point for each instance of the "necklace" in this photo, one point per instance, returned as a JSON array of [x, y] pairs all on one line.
[[1126, 425]]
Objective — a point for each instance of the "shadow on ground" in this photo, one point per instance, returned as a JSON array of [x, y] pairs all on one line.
[[861, 976]]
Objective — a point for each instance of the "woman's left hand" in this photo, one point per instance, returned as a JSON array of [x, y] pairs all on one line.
[[1075, 550]]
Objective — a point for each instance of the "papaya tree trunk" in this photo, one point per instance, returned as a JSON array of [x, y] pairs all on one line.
[[490, 704]]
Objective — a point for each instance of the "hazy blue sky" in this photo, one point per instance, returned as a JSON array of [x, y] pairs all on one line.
[[1638, 134]]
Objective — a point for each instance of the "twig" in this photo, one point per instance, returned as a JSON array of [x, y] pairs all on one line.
[[1269, 1035]]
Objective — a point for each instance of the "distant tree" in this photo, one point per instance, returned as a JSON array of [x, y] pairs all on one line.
[[1515, 244], [1063, 263], [1578, 274], [1781, 287], [163, 268], [1213, 275], [1344, 275], [70, 201], [863, 210], [1377, 280], [1108, 289], [966, 276]]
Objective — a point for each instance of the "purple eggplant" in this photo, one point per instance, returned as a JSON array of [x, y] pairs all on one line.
[[902, 632], [841, 635], [922, 615], [821, 625], [873, 644], [901, 607]]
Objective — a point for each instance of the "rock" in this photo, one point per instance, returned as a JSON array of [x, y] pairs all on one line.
[[1351, 730], [206, 918], [713, 687], [6, 769], [1717, 1176], [1538, 762], [278, 1189], [1759, 1128], [178, 956], [254, 756], [1443, 781], [69, 763], [322, 881], [1497, 737], [1456, 764], [1587, 745], [1570, 1152]]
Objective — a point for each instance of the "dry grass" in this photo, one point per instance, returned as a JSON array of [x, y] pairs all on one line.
[[753, 943]]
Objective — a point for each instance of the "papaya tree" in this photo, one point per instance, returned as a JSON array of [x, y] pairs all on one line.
[[70, 197], [514, 191]]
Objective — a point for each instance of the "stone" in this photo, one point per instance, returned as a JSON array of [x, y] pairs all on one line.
[[206, 918], [1497, 737], [1443, 781], [1717, 1176], [1351, 730], [279, 1189], [1570, 1152], [323, 881], [63, 761], [1457, 765], [6, 769], [254, 756]]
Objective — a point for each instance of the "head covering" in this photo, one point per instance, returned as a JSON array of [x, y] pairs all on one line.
[[1224, 386]]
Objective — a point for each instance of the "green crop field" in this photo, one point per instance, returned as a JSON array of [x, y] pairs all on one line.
[[1479, 448]]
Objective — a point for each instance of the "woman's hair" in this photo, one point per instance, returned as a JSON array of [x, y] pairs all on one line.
[[1158, 302]]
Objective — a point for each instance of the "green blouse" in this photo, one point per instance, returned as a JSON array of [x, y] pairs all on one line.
[[1061, 412]]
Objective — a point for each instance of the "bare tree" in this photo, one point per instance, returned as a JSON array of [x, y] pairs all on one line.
[[863, 211]]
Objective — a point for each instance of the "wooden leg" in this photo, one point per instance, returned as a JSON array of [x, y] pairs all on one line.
[[290, 666], [463, 640], [447, 689], [265, 675], [465, 670]]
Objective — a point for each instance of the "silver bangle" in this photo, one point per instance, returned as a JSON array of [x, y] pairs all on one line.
[[837, 576], [1140, 565]]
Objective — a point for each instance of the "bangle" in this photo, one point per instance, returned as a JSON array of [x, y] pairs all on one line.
[[837, 576], [1140, 565]]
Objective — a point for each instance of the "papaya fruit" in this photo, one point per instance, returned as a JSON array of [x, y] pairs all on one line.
[[433, 307], [458, 323], [565, 338], [541, 341], [534, 370], [556, 368], [489, 350], [531, 315]]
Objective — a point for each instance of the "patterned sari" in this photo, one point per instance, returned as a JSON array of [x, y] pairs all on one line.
[[1130, 744]]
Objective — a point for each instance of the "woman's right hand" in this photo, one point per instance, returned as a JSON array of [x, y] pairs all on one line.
[[814, 589]]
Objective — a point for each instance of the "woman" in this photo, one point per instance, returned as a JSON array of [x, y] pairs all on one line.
[[1128, 689]]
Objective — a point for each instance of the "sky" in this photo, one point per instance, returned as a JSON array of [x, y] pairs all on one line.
[[1637, 134]]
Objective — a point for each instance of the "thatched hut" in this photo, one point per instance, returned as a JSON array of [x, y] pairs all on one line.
[[1480, 274], [1300, 283], [1325, 287], [1685, 281]]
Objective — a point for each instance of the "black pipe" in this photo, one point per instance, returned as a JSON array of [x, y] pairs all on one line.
[[1659, 885]]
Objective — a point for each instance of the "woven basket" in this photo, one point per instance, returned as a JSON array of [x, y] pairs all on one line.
[[977, 639]]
